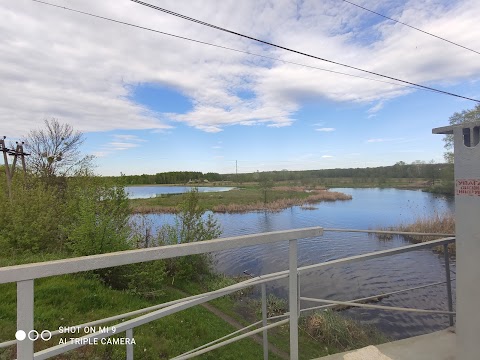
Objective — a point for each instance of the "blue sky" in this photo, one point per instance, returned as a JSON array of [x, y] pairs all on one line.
[[148, 103]]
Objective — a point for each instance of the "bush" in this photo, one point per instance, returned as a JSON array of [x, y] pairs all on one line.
[[30, 221], [339, 332], [142, 278], [191, 224], [99, 215]]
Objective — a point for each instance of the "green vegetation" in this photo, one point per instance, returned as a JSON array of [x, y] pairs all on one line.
[[338, 332], [243, 199], [60, 210]]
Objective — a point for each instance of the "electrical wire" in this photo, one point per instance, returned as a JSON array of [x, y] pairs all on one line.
[[412, 27], [296, 51], [225, 47]]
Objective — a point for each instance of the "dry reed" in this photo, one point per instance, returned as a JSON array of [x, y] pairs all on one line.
[[444, 224], [281, 204], [341, 333]]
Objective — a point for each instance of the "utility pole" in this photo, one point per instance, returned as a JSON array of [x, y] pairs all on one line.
[[236, 170], [18, 152], [5, 151]]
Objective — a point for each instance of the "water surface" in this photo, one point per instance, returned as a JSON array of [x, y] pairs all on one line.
[[369, 209], [144, 192]]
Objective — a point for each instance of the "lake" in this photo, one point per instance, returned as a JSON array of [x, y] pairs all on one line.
[[144, 192], [369, 209]]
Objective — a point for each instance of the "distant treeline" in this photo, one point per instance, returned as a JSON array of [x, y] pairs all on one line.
[[417, 169]]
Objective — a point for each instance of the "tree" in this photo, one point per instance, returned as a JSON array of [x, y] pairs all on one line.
[[464, 116], [265, 183], [55, 151], [191, 224]]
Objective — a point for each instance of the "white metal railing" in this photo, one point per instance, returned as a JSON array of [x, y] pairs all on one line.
[[24, 276]]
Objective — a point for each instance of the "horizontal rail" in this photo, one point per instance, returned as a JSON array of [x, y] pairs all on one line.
[[376, 296], [229, 341], [376, 254], [389, 232], [73, 265], [379, 307], [367, 256], [155, 315], [94, 262]]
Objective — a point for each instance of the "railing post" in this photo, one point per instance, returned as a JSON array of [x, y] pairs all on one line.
[[449, 284], [25, 320], [264, 321], [293, 299], [298, 295], [129, 335]]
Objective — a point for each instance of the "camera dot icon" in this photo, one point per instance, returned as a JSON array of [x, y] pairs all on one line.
[[20, 335], [33, 335]]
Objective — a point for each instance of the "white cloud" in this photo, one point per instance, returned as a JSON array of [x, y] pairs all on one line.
[[83, 70], [378, 140], [325, 129], [327, 156], [127, 137], [376, 108], [398, 140], [120, 142]]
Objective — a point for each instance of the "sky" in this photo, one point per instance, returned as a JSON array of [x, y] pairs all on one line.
[[147, 102]]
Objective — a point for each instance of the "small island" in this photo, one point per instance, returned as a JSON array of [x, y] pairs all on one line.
[[248, 198]]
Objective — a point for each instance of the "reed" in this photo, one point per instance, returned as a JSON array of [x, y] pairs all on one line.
[[444, 223], [281, 204], [336, 331]]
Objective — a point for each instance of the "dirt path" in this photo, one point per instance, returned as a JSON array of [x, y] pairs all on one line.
[[228, 319]]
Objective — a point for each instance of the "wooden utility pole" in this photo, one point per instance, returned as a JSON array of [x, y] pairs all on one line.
[[9, 171]]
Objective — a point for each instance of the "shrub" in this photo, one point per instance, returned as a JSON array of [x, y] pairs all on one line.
[[99, 217], [191, 224], [340, 332], [30, 221]]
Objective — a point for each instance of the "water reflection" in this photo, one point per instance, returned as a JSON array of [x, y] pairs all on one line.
[[144, 192]]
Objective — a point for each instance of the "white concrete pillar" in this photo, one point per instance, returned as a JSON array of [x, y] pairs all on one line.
[[467, 230]]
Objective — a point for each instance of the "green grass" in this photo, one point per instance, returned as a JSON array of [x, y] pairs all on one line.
[[74, 299]]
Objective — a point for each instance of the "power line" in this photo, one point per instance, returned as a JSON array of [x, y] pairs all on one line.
[[412, 27], [224, 47], [295, 51]]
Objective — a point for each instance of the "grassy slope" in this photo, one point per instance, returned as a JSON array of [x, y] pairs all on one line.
[[71, 300]]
